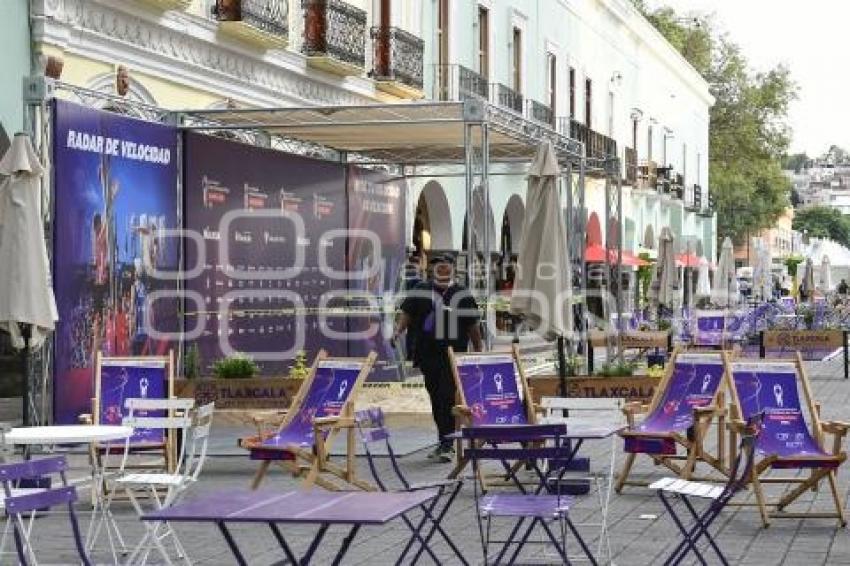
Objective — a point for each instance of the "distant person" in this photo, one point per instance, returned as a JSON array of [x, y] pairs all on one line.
[[843, 288], [443, 314], [414, 276]]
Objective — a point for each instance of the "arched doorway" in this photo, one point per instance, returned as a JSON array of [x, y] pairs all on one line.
[[432, 223]]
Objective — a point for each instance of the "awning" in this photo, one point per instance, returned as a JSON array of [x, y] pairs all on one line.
[[596, 254], [687, 260]]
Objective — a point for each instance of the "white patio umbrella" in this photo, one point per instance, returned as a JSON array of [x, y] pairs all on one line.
[[703, 280], [725, 291], [543, 265], [807, 284], [665, 284], [26, 297], [825, 275]]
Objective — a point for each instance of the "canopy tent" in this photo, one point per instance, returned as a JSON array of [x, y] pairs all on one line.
[[595, 253]]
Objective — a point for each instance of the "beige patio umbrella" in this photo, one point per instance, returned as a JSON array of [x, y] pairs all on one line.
[[725, 291], [807, 284], [665, 284], [542, 291], [703, 280], [825, 274]]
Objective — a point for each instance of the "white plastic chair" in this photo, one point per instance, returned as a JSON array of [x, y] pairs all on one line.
[[590, 411], [189, 466]]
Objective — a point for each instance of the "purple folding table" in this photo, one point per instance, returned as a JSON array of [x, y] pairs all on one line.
[[312, 507]]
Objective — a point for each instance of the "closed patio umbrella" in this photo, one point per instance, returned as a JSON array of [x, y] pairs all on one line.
[[825, 275], [543, 264], [725, 283], [664, 290], [807, 284], [27, 306], [703, 281]]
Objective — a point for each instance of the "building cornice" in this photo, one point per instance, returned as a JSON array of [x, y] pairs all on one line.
[[186, 49]]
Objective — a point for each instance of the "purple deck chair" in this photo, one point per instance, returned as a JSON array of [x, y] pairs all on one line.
[[787, 441], [18, 506], [533, 444], [370, 425], [710, 328], [323, 407], [683, 407], [718, 497]]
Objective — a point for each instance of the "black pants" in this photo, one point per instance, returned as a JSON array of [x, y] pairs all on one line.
[[440, 385]]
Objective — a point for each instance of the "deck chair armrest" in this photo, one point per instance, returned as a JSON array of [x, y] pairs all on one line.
[[709, 411], [635, 408], [264, 422], [342, 422], [85, 419], [837, 428], [736, 425], [461, 411]]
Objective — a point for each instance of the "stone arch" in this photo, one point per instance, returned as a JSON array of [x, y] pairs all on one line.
[[432, 224]]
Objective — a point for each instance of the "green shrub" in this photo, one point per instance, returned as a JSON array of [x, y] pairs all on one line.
[[236, 367], [192, 362]]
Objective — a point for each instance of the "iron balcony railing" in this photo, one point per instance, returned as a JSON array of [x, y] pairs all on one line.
[[268, 16], [598, 147], [631, 167], [456, 82], [335, 29], [540, 112], [507, 97], [398, 56]]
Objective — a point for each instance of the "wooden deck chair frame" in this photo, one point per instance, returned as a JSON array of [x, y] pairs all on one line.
[[314, 462], [838, 430], [695, 450], [463, 413]]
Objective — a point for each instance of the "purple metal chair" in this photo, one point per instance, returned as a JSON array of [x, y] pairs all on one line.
[[370, 425], [533, 444], [719, 497], [20, 505]]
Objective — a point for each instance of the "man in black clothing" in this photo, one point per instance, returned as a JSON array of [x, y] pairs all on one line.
[[443, 314]]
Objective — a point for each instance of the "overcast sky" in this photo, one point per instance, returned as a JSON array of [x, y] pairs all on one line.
[[810, 37]]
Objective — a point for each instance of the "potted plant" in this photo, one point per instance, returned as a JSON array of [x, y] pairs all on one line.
[[299, 368], [235, 367]]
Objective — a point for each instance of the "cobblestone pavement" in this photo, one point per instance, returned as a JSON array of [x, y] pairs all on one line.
[[641, 533]]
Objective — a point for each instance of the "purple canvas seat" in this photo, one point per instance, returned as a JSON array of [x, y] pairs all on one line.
[[532, 444], [787, 441], [17, 506], [491, 390], [373, 430], [683, 407], [322, 408]]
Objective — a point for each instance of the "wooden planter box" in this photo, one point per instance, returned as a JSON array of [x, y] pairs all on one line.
[[254, 393], [635, 388]]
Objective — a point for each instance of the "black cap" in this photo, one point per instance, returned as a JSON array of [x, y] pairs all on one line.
[[442, 258]]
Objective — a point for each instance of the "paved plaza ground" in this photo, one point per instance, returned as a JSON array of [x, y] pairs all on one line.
[[641, 532]]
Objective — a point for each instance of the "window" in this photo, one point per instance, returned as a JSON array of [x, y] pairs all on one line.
[[551, 80], [685, 162], [483, 42], [572, 93], [649, 143], [610, 114], [443, 10], [516, 60], [588, 103], [634, 133]]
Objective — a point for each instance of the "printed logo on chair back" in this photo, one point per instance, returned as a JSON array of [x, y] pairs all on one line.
[[491, 389], [710, 328], [694, 383], [772, 389]]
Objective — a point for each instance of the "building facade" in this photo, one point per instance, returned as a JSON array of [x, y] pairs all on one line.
[[596, 71], [15, 62], [781, 239], [193, 54]]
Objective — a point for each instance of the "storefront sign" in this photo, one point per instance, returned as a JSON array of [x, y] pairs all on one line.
[[254, 393], [636, 388], [632, 339]]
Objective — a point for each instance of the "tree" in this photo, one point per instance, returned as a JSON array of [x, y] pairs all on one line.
[[824, 222], [748, 132], [795, 162]]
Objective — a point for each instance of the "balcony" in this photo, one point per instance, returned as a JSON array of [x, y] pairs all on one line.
[[260, 22], [507, 97], [693, 198], [168, 4], [397, 65], [647, 175], [540, 112], [334, 36], [709, 209], [598, 147], [631, 167], [456, 83]]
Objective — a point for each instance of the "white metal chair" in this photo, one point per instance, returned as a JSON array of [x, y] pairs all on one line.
[[174, 424], [193, 453], [590, 411]]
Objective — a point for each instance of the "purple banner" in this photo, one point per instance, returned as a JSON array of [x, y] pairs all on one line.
[[132, 379], [772, 388], [376, 256], [116, 196], [692, 385], [709, 329], [491, 390], [250, 205], [330, 390]]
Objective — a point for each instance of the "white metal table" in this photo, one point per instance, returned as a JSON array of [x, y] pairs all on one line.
[[79, 434]]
